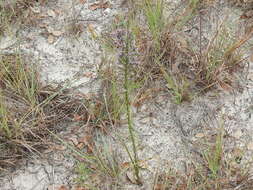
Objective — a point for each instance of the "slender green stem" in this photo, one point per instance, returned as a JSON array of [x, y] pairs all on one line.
[[125, 61]]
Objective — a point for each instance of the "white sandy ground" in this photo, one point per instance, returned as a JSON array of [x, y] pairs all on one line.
[[163, 129]]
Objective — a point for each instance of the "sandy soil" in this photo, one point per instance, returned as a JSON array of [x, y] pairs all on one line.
[[164, 130]]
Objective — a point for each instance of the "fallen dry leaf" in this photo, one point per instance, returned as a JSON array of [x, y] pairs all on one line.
[[225, 86], [99, 5], [82, 1], [200, 135], [246, 15], [88, 74], [88, 96], [144, 163], [49, 29], [50, 39], [54, 32], [48, 151], [91, 29], [77, 117], [62, 187], [250, 146], [237, 152], [143, 97], [251, 57], [57, 187], [175, 67], [57, 11], [159, 186], [43, 25], [250, 76], [238, 134], [80, 188], [57, 33], [74, 140], [131, 177], [126, 165], [86, 141], [51, 13], [182, 41], [80, 145], [35, 10], [59, 147], [42, 2], [54, 147]]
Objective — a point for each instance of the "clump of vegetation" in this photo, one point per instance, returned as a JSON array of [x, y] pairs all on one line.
[[212, 170], [28, 111], [163, 51]]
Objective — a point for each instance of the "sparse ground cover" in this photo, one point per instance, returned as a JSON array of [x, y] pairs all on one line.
[[157, 119]]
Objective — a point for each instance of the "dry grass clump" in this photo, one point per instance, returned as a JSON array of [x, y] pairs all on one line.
[[28, 110], [201, 63], [214, 169], [215, 64], [163, 49]]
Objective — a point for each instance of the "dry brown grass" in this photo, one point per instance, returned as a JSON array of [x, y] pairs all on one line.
[[163, 51], [28, 110], [212, 169]]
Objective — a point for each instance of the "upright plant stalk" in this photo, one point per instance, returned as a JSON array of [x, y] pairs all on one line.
[[125, 61]]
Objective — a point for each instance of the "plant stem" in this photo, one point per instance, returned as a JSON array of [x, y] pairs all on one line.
[[125, 60]]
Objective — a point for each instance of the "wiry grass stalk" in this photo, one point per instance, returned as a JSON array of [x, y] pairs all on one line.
[[125, 61]]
